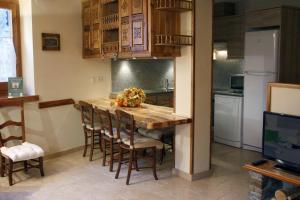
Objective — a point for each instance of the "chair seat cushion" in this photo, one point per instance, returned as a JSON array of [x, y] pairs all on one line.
[[97, 126], [156, 133], [115, 135], [143, 142], [25, 151]]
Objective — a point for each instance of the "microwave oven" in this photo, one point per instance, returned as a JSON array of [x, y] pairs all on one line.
[[237, 82]]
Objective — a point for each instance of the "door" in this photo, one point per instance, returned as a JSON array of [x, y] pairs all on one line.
[[255, 85], [139, 25], [125, 28], [261, 51]]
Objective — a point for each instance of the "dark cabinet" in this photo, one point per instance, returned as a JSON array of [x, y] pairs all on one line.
[[230, 29], [263, 18], [289, 70], [161, 99]]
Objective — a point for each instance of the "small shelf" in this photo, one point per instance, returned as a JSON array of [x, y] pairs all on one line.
[[174, 5], [110, 22], [173, 40]]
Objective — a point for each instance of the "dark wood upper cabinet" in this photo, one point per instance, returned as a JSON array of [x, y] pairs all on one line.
[[263, 18], [289, 71], [133, 28], [230, 29]]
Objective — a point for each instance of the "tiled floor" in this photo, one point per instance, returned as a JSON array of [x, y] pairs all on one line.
[[72, 177]]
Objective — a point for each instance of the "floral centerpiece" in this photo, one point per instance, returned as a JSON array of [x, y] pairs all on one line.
[[131, 97]]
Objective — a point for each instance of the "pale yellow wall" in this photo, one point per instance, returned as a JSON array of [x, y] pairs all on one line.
[[59, 74], [203, 85], [285, 100], [183, 88], [27, 46]]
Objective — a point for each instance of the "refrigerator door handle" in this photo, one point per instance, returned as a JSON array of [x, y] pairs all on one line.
[[259, 73]]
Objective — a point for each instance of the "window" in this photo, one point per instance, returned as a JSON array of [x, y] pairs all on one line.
[[10, 62]]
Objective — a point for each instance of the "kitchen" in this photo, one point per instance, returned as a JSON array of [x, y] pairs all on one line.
[[253, 45]]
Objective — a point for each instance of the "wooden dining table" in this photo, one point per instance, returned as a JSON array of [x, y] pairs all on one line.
[[146, 116]]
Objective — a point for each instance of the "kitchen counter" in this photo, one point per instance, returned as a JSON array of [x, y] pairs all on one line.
[[147, 116], [229, 93]]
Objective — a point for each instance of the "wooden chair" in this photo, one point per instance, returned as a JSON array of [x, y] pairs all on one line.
[[25, 153], [129, 141], [92, 129], [109, 139], [166, 136]]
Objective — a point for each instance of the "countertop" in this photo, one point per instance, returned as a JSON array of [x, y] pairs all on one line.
[[229, 92], [147, 116]]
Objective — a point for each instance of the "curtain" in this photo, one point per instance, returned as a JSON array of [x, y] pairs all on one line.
[[7, 50]]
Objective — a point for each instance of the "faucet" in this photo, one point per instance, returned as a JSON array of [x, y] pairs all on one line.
[[167, 85]]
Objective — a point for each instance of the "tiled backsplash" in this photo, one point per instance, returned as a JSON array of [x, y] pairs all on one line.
[[222, 69], [146, 74]]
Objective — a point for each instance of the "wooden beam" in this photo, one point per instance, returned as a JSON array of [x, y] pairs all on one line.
[[56, 103]]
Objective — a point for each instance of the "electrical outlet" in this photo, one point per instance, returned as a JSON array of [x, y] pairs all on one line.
[[100, 78]]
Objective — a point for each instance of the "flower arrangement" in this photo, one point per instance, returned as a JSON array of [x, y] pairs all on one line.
[[131, 97]]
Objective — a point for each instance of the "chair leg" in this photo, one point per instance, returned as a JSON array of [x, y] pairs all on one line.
[[162, 155], [25, 163], [10, 172], [41, 164], [130, 166], [136, 161], [85, 144], [104, 153], [111, 152], [100, 143], [2, 166], [92, 146], [120, 163], [154, 162]]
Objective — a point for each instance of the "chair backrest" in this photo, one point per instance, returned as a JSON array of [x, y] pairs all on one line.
[[18, 103], [126, 124], [87, 114], [105, 120]]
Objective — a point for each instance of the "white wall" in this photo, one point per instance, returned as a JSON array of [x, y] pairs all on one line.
[[183, 93], [57, 75], [27, 46]]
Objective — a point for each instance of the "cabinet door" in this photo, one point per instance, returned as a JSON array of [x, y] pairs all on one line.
[[96, 29], [230, 30], [263, 18], [289, 46], [139, 25], [86, 27], [125, 28]]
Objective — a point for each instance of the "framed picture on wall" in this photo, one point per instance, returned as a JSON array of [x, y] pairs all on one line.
[[51, 41]]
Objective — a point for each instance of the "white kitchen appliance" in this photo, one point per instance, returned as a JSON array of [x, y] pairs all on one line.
[[228, 120], [261, 58]]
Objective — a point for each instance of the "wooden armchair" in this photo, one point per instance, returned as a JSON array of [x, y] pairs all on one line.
[[130, 141], [25, 152]]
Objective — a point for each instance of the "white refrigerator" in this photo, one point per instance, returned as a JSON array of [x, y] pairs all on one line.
[[261, 60]]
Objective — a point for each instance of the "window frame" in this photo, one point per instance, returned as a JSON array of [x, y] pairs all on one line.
[[13, 5]]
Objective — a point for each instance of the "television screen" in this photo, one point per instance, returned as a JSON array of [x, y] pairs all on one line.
[[281, 139]]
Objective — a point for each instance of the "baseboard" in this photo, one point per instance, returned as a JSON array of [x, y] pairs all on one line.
[[192, 177], [62, 153]]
